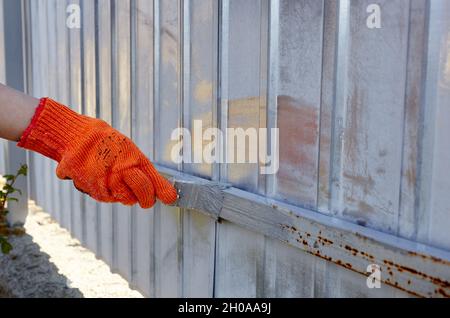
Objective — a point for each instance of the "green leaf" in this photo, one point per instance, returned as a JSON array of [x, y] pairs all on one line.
[[6, 247], [9, 177], [8, 188], [23, 170], [13, 199]]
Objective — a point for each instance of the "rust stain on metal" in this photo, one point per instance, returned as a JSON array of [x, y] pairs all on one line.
[[367, 255], [313, 249], [442, 292], [324, 240], [434, 280], [354, 251], [432, 258]]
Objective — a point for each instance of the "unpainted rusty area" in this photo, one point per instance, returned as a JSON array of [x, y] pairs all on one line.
[[203, 91], [434, 280], [298, 125], [244, 112], [432, 258], [312, 244]]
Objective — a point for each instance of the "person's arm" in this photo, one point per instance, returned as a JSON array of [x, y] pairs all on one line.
[[16, 111], [100, 160]]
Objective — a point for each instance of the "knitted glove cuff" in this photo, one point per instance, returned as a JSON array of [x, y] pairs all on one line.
[[52, 128]]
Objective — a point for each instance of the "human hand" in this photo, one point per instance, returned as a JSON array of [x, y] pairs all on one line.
[[100, 160]]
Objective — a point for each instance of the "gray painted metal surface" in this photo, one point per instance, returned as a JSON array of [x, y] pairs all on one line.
[[410, 266], [363, 122], [13, 73], [2, 80]]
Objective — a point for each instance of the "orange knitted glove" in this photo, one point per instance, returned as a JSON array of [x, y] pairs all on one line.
[[100, 160]]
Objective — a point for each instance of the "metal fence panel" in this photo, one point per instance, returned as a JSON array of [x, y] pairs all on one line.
[[75, 62], [432, 214], [168, 87], [105, 112], [143, 266], [2, 80], [200, 68], [121, 117], [53, 75], [63, 91], [89, 87], [361, 114], [13, 72], [2, 45]]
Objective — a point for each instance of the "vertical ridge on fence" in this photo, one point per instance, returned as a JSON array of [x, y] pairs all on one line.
[[45, 177], [105, 112], [122, 121], [2, 45], [433, 208], [167, 117], [89, 107], [52, 74], [200, 54], [77, 219], [36, 168], [63, 80], [3, 81], [143, 272], [243, 104]]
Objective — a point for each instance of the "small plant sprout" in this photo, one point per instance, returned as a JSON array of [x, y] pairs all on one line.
[[7, 189]]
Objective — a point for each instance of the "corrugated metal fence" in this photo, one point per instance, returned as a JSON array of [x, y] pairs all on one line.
[[363, 118]]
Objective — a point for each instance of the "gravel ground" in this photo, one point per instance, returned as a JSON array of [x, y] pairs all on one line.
[[48, 262]]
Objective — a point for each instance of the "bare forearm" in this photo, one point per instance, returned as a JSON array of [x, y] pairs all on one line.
[[16, 111]]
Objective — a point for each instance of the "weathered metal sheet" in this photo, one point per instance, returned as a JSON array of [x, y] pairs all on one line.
[[52, 74], [434, 204], [3, 81], [45, 168], [121, 119], [14, 68], [243, 90], [373, 97], [362, 138], [143, 272], [200, 49], [295, 90], [104, 94], [75, 62], [2, 46], [298, 99], [88, 9], [35, 169], [238, 270], [410, 179], [63, 95], [418, 269], [168, 85]]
